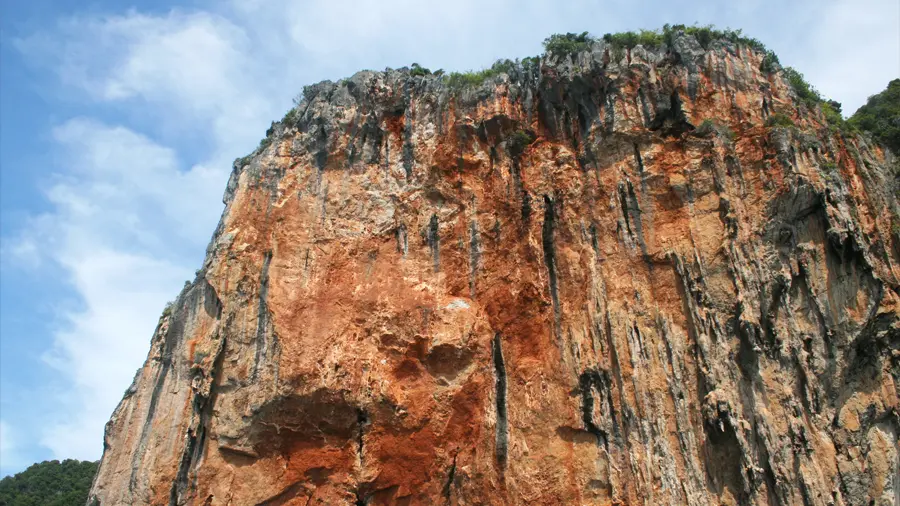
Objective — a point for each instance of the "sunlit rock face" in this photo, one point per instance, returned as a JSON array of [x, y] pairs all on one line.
[[559, 286]]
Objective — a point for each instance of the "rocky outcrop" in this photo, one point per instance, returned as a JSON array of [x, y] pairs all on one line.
[[561, 286]]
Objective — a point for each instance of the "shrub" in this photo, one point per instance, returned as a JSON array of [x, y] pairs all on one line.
[[417, 70], [291, 116], [713, 127], [705, 35], [518, 141], [803, 89], [830, 172], [309, 92], [881, 116], [531, 62], [264, 143], [651, 38], [832, 112], [460, 80], [623, 39], [706, 127], [829, 167], [629, 40], [769, 63], [567, 43], [779, 120]]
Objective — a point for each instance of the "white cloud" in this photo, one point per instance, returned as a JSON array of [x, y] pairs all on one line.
[[132, 209], [99, 346], [10, 456], [186, 71], [125, 222], [855, 50], [22, 252]]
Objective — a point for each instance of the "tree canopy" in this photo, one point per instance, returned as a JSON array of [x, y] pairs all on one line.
[[881, 116], [49, 483]]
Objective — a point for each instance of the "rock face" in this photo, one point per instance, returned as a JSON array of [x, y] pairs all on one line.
[[560, 286]]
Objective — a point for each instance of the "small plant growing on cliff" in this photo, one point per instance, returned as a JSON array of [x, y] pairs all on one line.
[[625, 40], [803, 89], [417, 70], [779, 120], [291, 116], [461, 80], [829, 167], [769, 63], [531, 62], [518, 142], [264, 143], [836, 122], [712, 127], [830, 172], [629, 40], [567, 43], [705, 35], [309, 92]]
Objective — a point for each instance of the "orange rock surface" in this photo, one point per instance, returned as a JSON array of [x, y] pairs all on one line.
[[561, 286]]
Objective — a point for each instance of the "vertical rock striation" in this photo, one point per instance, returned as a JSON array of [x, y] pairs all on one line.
[[551, 288]]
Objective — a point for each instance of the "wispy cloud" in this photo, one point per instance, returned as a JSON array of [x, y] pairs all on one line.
[[856, 49], [10, 454], [125, 221]]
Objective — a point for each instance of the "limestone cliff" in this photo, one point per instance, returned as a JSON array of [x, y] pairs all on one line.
[[561, 285]]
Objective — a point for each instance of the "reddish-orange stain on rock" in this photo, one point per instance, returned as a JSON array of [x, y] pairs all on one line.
[[558, 287]]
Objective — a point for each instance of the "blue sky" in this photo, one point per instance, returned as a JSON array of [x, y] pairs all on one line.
[[119, 122]]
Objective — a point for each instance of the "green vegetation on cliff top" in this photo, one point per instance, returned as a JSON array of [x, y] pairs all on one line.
[[50, 483], [881, 116]]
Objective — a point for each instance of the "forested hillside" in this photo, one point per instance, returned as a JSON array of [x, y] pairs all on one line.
[[50, 483]]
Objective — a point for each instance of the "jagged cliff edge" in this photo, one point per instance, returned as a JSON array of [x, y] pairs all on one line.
[[651, 275]]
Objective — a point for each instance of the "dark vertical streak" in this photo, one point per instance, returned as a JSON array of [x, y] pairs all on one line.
[[526, 207], [434, 241], [407, 154], [474, 257], [589, 382], [262, 320], [645, 111], [402, 241], [638, 159], [502, 444], [451, 476], [173, 336], [547, 238]]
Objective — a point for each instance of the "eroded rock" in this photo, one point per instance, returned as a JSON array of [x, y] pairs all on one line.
[[547, 289]]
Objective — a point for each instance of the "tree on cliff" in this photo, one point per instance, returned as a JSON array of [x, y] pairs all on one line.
[[50, 483], [881, 116]]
